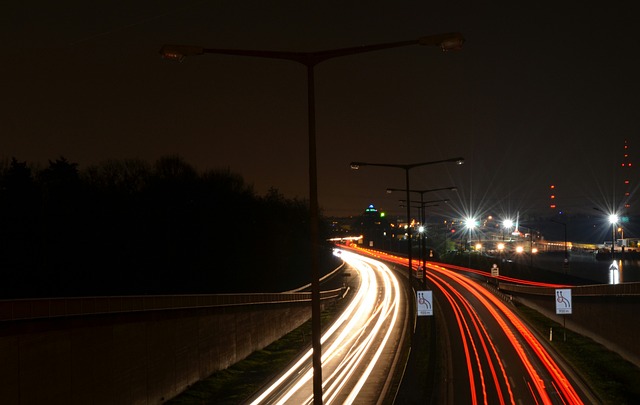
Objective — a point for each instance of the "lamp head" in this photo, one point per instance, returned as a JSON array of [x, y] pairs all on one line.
[[355, 165], [447, 42], [179, 52]]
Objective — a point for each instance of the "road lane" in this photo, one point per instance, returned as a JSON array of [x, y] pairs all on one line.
[[495, 358], [360, 350]]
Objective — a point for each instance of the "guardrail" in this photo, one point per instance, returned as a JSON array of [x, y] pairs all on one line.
[[21, 309], [626, 289]]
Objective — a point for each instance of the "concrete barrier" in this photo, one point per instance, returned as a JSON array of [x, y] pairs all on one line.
[[605, 313], [133, 350]]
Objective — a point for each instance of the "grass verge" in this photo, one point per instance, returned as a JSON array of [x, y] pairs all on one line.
[[612, 378], [238, 382]]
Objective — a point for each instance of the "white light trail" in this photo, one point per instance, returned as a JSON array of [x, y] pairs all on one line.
[[356, 341]]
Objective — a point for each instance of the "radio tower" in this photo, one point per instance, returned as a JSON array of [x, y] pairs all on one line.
[[625, 171]]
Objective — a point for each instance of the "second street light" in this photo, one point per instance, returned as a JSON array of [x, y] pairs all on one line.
[[407, 168], [446, 42], [422, 216], [421, 206]]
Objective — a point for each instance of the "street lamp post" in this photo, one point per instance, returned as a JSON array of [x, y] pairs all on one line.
[[470, 224], [506, 224], [613, 220], [406, 168], [422, 216], [446, 41], [422, 230]]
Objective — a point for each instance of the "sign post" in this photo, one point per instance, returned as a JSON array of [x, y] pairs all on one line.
[[424, 301], [563, 306]]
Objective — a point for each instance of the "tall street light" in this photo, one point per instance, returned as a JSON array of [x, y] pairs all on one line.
[[422, 215], [422, 205], [613, 220], [446, 41], [470, 224], [406, 168]]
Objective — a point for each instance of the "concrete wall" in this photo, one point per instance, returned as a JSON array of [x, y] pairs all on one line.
[[605, 313], [143, 357]]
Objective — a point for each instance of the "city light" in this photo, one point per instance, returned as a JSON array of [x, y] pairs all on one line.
[[470, 223]]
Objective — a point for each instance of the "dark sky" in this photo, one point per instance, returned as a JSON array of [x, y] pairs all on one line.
[[542, 93]]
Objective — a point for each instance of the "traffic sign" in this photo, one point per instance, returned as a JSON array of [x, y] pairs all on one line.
[[424, 301], [495, 271], [563, 301]]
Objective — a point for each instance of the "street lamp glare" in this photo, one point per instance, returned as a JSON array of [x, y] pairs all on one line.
[[613, 218], [470, 223]]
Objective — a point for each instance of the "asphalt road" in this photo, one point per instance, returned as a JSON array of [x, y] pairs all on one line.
[[360, 351], [485, 353]]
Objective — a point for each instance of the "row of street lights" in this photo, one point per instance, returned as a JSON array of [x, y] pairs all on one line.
[[407, 189], [446, 42]]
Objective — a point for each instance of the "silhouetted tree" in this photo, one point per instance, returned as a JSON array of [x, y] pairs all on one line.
[[127, 227]]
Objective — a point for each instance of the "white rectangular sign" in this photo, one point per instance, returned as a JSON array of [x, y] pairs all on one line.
[[424, 300], [563, 301]]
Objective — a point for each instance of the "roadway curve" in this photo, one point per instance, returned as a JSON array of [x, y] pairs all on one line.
[[359, 351], [494, 357]]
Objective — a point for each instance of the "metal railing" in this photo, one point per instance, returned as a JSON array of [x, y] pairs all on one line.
[[21, 309]]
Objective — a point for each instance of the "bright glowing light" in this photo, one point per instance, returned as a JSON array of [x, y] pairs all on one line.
[[470, 223], [478, 246], [500, 246], [507, 223], [519, 249], [613, 218], [486, 372], [421, 229], [534, 250]]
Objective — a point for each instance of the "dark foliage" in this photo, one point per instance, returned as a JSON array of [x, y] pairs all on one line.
[[127, 227]]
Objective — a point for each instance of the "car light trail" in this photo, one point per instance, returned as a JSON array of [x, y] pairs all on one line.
[[353, 346], [543, 381]]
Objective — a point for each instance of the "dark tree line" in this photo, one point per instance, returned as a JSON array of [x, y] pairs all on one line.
[[130, 227]]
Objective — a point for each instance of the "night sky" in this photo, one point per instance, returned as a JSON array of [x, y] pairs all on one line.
[[542, 93]]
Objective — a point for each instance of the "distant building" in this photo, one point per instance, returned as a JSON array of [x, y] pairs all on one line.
[[374, 227]]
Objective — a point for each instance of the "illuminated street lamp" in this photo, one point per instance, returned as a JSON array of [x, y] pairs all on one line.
[[422, 215], [506, 224], [421, 206], [406, 168], [470, 224], [613, 220], [446, 42]]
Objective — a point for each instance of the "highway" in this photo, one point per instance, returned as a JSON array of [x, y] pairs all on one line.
[[360, 351], [496, 359], [493, 356]]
